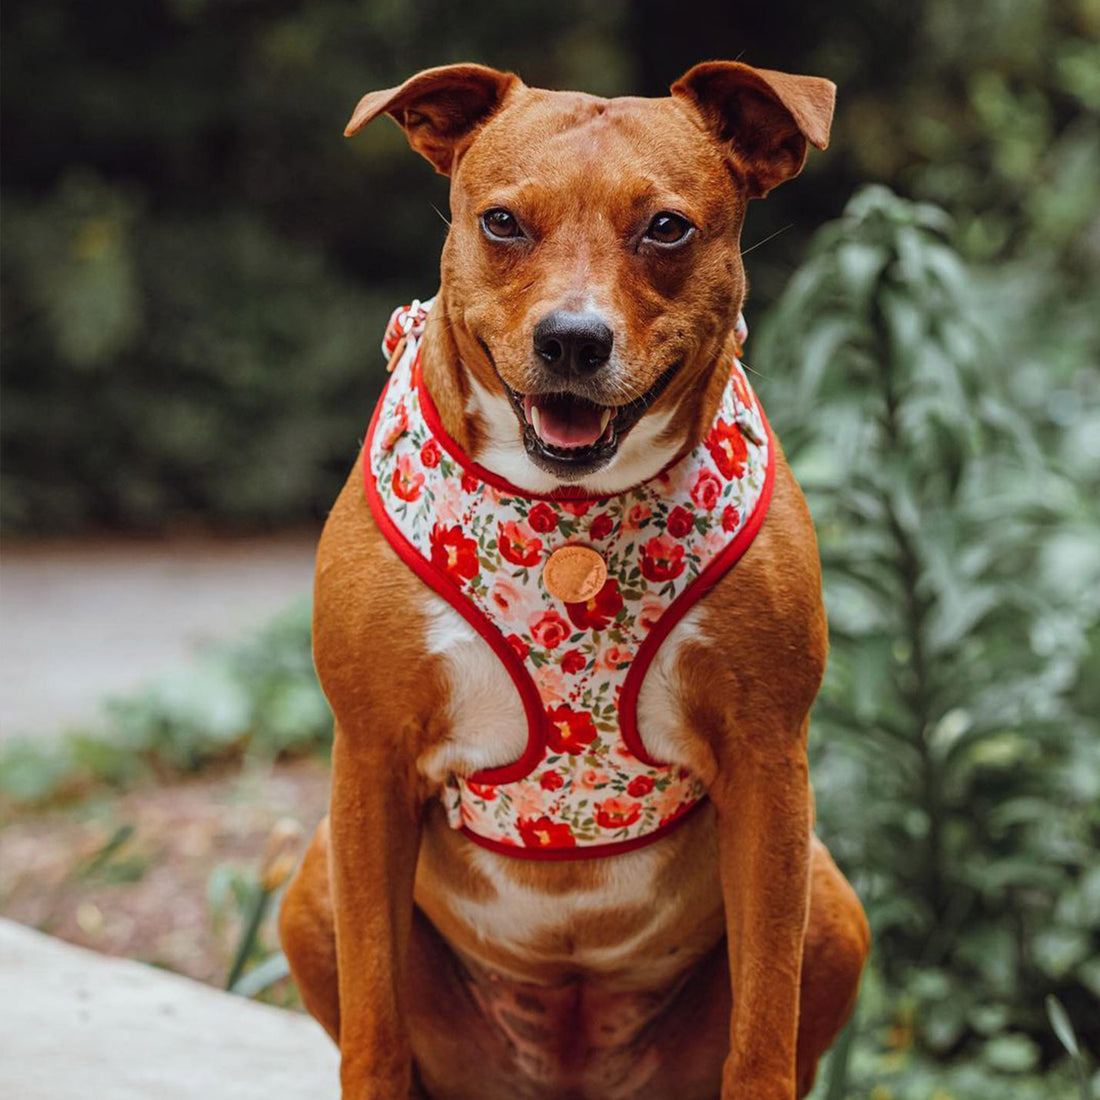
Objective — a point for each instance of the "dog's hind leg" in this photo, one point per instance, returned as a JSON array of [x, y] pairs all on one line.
[[308, 937], [837, 942]]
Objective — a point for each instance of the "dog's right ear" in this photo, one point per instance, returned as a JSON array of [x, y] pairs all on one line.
[[439, 109]]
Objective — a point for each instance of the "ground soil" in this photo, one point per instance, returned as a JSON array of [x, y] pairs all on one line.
[[162, 896]]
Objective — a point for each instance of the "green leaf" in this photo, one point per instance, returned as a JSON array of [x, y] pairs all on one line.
[[1061, 1025]]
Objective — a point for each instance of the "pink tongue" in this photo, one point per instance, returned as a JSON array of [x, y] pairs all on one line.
[[564, 423]]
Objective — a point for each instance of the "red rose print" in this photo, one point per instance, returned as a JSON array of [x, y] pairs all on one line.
[[544, 833], [602, 526], [569, 730], [731, 518], [640, 785], [572, 660], [549, 629], [407, 482], [706, 490], [551, 781], [662, 559], [518, 543], [397, 427], [680, 522], [470, 484], [617, 813], [727, 448], [429, 454], [597, 613], [481, 790], [454, 553], [542, 518], [617, 656], [519, 645], [636, 515], [576, 507]]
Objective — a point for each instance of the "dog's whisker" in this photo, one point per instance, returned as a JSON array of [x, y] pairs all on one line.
[[769, 237]]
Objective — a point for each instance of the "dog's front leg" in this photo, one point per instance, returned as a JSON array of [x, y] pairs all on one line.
[[762, 796], [375, 815]]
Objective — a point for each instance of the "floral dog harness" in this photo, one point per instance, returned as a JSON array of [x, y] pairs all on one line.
[[629, 567]]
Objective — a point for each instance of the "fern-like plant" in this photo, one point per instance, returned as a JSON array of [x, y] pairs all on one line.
[[957, 782]]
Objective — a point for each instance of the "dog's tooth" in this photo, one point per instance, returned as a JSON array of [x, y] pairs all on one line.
[[605, 419], [536, 420]]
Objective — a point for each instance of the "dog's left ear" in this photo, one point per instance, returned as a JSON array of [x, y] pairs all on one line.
[[439, 109], [763, 118]]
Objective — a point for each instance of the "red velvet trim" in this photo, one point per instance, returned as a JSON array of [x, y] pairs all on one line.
[[718, 567], [584, 851], [445, 587]]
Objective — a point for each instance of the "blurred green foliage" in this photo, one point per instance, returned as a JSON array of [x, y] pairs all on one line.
[[956, 744], [196, 264]]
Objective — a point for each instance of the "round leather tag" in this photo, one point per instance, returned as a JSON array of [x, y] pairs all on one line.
[[574, 573]]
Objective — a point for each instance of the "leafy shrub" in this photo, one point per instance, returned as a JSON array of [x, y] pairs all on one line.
[[196, 264], [956, 760]]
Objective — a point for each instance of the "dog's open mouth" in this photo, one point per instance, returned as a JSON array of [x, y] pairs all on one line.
[[571, 435], [569, 425]]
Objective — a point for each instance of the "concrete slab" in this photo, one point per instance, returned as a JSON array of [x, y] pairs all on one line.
[[75, 1025]]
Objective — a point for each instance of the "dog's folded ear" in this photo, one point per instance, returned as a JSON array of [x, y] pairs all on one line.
[[439, 109], [763, 118]]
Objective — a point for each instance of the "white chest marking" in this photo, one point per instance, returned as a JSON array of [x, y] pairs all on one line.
[[526, 921], [488, 723]]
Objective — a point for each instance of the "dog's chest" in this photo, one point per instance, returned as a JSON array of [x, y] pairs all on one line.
[[487, 726]]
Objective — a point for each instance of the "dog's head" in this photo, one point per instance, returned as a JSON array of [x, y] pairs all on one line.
[[592, 273]]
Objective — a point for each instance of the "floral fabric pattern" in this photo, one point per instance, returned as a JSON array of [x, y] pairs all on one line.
[[588, 787]]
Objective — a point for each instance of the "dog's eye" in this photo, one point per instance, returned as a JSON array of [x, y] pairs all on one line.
[[668, 228], [501, 223]]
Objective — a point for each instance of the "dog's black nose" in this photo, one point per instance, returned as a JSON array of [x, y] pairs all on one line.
[[573, 343]]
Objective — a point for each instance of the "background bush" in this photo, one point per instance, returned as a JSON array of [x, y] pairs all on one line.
[[956, 754], [196, 265]]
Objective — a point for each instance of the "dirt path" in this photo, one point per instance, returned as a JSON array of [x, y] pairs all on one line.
[[80, 621]]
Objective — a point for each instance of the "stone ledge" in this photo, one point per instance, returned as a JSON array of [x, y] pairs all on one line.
[[79, 1026]]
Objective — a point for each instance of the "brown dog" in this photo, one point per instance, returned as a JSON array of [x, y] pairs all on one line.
[[725, 957]]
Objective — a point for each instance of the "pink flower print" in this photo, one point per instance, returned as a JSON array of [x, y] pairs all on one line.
[[706, 490], [591, 779], [636, 515], [668, 801], [528, 801], [505, 596], [616, 657], [397, 426], [651, 611], [548, 629]]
